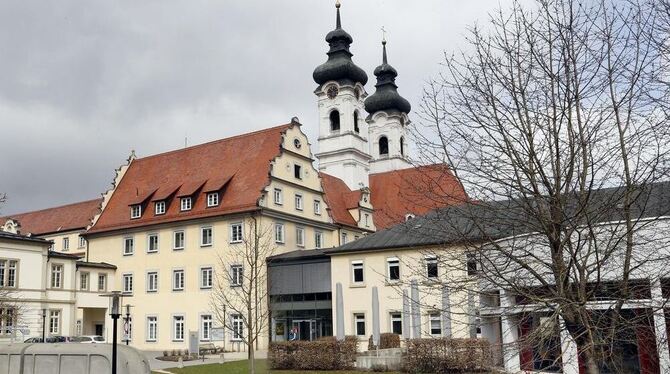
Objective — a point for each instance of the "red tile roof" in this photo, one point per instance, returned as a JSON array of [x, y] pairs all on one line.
[[339, 199], [59, 219], [192, 168], [412, 191]]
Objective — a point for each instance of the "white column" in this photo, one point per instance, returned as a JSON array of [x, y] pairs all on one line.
[[660, 327], [510, 334], [569, 352]]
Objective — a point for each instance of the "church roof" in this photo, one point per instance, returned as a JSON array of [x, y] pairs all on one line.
[[58, 219], [415, 191], [340, 199], [239, 166]]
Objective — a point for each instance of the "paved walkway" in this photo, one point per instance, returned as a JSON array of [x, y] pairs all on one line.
[[158, 365]]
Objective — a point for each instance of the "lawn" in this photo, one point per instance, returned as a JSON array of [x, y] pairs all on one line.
[[241, 367]]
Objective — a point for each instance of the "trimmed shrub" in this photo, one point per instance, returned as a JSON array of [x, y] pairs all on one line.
[[322, 354], [444, 355], [166, 353], [386, 340]]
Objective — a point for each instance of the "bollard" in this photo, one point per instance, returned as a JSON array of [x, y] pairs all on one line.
[[180, 362], [221, 359]]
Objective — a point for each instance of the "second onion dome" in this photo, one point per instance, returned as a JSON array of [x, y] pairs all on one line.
[[386, 96]]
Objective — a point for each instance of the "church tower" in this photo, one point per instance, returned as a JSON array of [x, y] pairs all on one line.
[[343, 134], [387, 121]]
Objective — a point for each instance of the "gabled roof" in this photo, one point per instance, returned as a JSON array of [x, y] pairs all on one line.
[[24, 238], [415, 191], [193, 170], [340, 199], [59, 219]]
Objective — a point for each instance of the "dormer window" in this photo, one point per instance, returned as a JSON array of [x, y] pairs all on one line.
[[409, 216], [135, 211], [297, 171], [159, 208], [186, 203], [212, 199]]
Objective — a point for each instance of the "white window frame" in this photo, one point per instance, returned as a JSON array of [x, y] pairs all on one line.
[[298, 202], [128, 250], [178, 280], [434, 317], [54, 321], [392, 262], [82, 242], [160, 207], [152, 321], [84, 280], [396, 317], [57, 275], [236, 275], [300, 236], [367, 220], [432, 260], [355, 265], [278, 196], [202, 236], [178, 319], [237, 324], [151, 287], [12, 274], [280, 234], [104, 282], [124, 283], [236, 232], [318, 239], [212, 199], [317, 207], [149, 236], [344, 238], [135, 211], [66, 244], [206, 277], [174, 240], [359, 317], [186, 203], [206, 324]]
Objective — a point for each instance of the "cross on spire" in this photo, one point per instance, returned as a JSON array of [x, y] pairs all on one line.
[[383, 34]]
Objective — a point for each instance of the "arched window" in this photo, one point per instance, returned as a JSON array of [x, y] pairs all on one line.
[[383, 146], [358, 130], [402, 146], [334, 120]]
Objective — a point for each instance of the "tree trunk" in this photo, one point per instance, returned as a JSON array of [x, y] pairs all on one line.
[[252, 361]]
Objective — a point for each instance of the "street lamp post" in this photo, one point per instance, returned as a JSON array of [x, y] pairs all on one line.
[[44, 325], [115, 300]]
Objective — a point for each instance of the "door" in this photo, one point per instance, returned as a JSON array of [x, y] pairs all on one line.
[[98, 328]]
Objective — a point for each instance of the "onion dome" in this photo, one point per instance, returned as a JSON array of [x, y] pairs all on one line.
[[386, 96], [339, 66]]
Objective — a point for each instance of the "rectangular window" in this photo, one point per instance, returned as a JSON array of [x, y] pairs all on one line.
[[317, 207], [396, 323], [298, 202], [178, 280], [102, 282], [357, 270], [206, 277], [300, 236], [236, 233], [11, 273], [54, 321], [212, 199], [206, 327], [471, 259], [135, 211], [7, 318], [152, 328], [393, 269], [152, 281], [279, 233], [435, 324], [345, 238], [297, 171], [3, 272], [56, 276], [178, 240], [152, 243], [238, 326], [83, 281], [236, 275], [82, 242], [359, 320], [66, 244], [206, 236], [159, 207], [127, 283], [178, 328], [431, 267], [318, 239], [186, 203], [128, 246], [278, 196], [367, 220]]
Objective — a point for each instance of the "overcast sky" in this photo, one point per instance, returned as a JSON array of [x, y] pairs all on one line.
[[82, 83]]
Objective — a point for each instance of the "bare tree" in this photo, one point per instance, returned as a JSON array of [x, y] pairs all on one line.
[[240, 297], [554, 120]]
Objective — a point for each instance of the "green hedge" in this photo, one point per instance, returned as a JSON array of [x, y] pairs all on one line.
[[444, 355], [324, 354]]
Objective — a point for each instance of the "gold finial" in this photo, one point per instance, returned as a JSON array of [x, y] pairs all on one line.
[[337, 3]]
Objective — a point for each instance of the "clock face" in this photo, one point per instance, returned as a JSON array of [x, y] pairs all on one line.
[[332, 91], [296, 143]]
